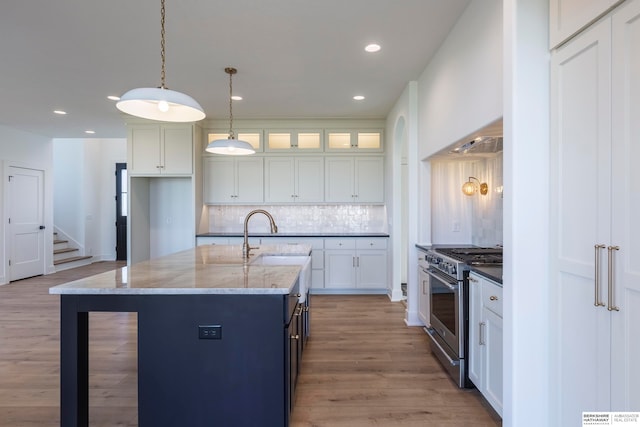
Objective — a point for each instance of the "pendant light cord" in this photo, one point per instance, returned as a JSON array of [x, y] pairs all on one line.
[[231, 72], [162, 54]]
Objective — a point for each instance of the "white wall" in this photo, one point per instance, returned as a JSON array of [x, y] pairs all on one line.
[[84, 204], [460, 91], [526, 214], [23, 149], [402, 147]]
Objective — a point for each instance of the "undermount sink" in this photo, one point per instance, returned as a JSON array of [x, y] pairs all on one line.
[[280, 260]]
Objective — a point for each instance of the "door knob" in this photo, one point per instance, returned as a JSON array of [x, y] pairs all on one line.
[[42, 227]]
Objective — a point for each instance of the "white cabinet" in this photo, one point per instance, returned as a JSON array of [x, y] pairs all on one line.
[[354, 179], [485, 338], [354, 140], [424, 300], [233, 180], [297, 141], [294, 179], [356, 264], [595, 91], [160, 149], [567, 17]]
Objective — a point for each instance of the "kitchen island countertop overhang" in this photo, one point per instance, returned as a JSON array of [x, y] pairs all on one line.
[[210, 269]]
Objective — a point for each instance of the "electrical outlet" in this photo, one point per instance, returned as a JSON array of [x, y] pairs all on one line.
[[455, 226], [210, 332]]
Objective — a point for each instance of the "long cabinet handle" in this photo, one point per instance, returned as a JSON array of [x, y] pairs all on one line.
[[596, 299], [611, 306], [480, 334]]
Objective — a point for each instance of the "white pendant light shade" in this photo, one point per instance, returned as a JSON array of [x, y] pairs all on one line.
[[160, 103], [230, 146], [156, 103]]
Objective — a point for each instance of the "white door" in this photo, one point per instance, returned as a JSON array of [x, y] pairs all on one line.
[[26, 223], [279, 179], [372, 269], [625, 346], [580, 219], [339, 180], [369, 179], [310, 179], [250, 178]]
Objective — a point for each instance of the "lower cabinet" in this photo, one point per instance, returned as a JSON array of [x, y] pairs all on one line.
[[295, 337], [356, 264], [424, 303], [485, 338]]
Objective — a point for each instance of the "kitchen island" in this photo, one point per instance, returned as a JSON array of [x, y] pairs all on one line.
[[218, 338]]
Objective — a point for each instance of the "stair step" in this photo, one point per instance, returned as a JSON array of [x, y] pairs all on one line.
[[56, 241], [63, 250], [71, 259]]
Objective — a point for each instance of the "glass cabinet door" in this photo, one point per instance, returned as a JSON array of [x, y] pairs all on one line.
[[354, 140], [306, 140]]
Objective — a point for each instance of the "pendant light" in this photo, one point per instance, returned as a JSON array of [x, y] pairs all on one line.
[[230, 146], [160, 103]]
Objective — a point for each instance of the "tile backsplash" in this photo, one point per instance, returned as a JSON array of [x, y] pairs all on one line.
[[460, 219], [301, 218], [487, 210]]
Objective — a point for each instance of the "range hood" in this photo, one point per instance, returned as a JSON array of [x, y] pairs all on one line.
[[486, 142], [479, 145]]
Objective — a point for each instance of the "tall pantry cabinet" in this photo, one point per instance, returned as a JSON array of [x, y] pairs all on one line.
[[595, 207], [165, 187]]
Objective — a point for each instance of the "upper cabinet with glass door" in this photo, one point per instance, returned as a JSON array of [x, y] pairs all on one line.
[[354, 140], [253, 137], [293, 141]]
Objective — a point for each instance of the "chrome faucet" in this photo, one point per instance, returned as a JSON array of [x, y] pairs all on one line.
[[245, 246]]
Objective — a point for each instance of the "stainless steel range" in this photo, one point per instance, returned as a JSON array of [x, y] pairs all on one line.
[[447, 270]]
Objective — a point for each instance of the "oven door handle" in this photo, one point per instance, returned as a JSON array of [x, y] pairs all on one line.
[[445, 280]]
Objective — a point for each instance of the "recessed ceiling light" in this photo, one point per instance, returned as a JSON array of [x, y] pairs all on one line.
[[62, 113], [91, 132], [113, 98], [372, 47], [358, 97], [236, 98]]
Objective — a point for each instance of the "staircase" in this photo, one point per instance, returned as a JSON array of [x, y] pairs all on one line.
[[65, 257]]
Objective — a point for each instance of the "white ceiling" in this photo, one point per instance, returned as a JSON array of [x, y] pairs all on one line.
[[295, 58]]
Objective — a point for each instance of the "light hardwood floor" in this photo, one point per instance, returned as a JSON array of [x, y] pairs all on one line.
[[362, 365]]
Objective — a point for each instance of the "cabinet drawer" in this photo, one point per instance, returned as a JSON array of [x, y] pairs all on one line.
[[339, 243], [373, 243], [200, 241], [492, 297]]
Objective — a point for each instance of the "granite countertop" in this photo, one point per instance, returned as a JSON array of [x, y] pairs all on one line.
[[490, 272], [210, 269], [295, 234]]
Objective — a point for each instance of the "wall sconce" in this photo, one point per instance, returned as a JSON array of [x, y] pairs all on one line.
[[469, 188]]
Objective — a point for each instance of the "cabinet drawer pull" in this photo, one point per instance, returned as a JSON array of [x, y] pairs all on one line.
[[481, 334], [493, 298], [294, 337]]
